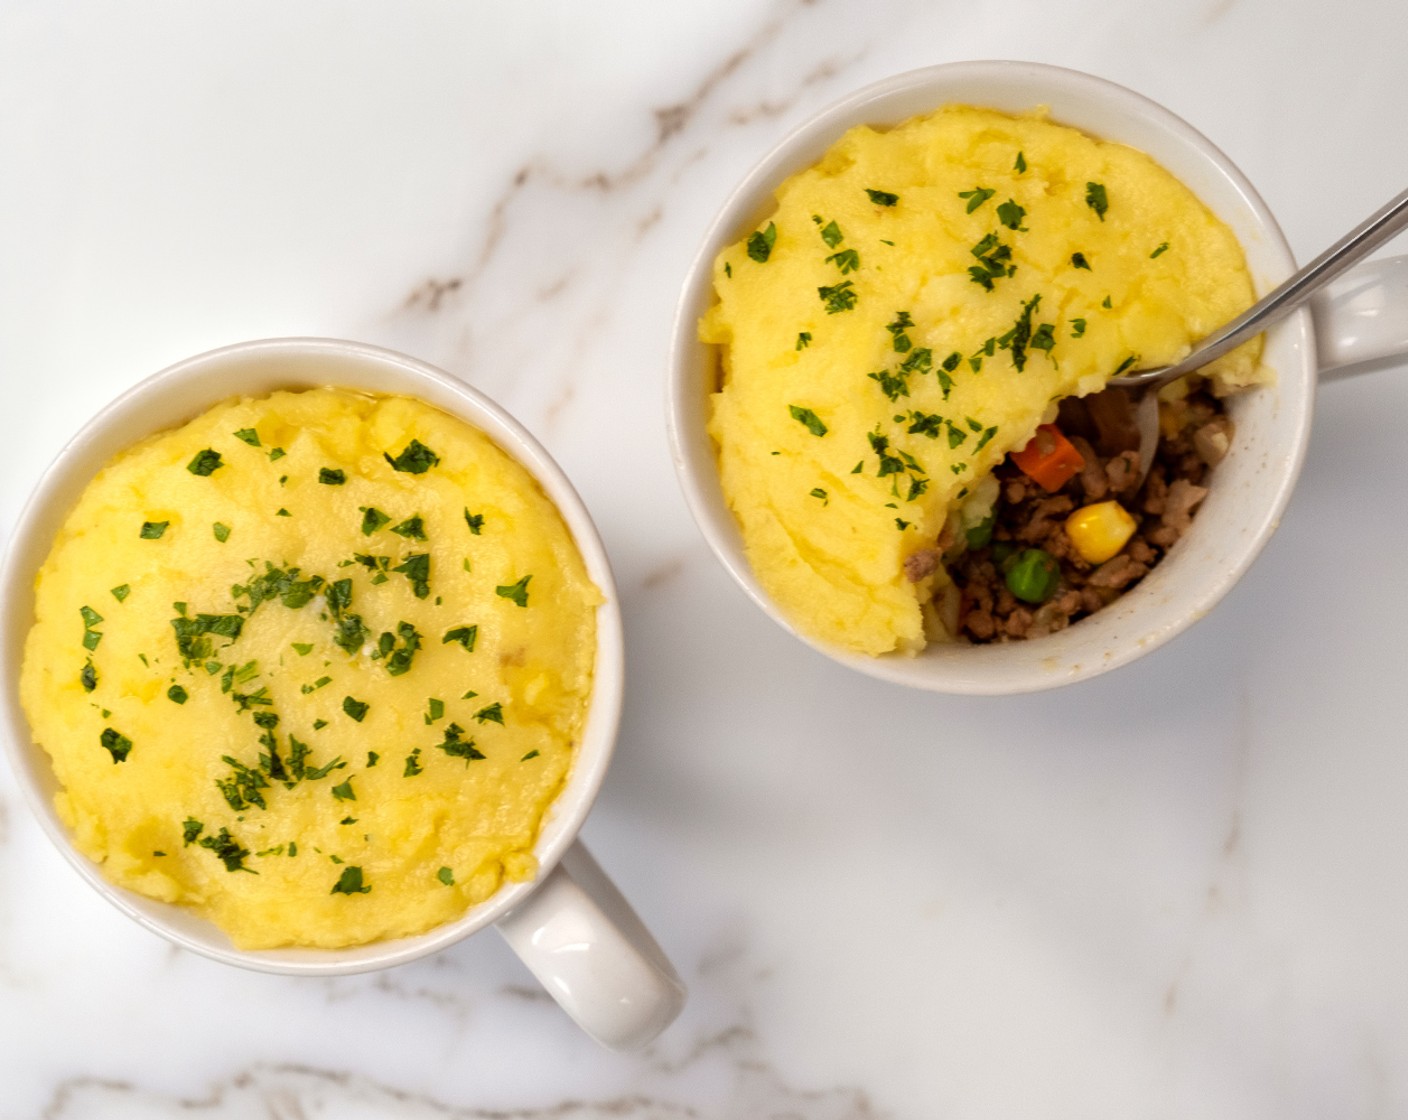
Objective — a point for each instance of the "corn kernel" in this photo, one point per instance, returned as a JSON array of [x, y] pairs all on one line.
[[1099, 531]]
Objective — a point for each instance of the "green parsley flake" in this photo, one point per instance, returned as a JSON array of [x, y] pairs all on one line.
[[804, 339], [415, 458], [411, 527], [456, 746], [434, 710], [355, 708], [465, 635], [831, 233], [152, 530], [413, 766], [475, 521], [515, 592], [976, 197], [1011, 215], [249, 436], [121, 591], [760, 243], [116, 744], [276, 453], [494, 713], [1021, 163], [530, 754], [1096, 199], [847, 260], [818, 492], [177, 694], [205, 463], [344, 791], [228, 851], [221, 531], [446, 876], [88, 676], [281, 512], [1163, 248], [303, 648], [372, 519], [882, 198], [838, 297], [1078, 261], [416, 568], [329, 477], [350, 881], [1077, 327], [808, 419]]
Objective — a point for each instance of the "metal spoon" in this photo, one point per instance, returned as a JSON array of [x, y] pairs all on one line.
[[1358, 243]]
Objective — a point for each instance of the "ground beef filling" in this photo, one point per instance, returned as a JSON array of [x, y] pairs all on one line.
[[1029, 517]]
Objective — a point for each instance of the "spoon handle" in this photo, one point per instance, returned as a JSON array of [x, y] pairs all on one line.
[[1385, 223]]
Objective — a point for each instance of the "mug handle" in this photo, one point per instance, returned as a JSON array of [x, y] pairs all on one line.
[[584, 943], [1361, 319]]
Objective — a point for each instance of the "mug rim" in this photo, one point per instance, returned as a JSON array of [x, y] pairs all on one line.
[[97, 441], [753, 196]]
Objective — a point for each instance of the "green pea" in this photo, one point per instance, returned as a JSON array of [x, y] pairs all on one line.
[[981, 534], [1034, 576]]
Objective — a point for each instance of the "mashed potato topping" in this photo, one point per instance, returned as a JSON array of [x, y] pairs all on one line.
[[907, 316], [313, 665]]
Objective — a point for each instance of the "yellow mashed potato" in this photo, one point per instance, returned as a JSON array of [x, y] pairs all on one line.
[[313, 665], [907, 316]]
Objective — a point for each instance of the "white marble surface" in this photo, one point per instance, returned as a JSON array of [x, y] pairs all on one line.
[[1180, 890]]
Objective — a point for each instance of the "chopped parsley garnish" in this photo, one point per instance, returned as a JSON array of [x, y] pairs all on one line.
[[193, 635], [177, 694], [1044, 337], [1019, 337], [434, 710], [228, 851], [955, 435], [808, 419], [894, 386], [319, 724], [330, 477], [530, 754], [1077, 327], [241, 788], [279, 583], [357, 709], [847, 260], [221, 531], [303, 649], [900, 341], [411, 527], [282, 512], [152, 530], [831, 233], [276, 453], [321, 682], [1106, 304], [838, 297], [416, 568], [116, 744], [446, 876], [925, 424], [728, 270], [494, 713], [249, 436], [515, 592], [976, 197], [1078, 261], [882, 198], [1163, 248], [413, 766], [1021, 163], [818, 492], [121, 591], [1096, 199], [372, 759], [91, 618], [415, 458], [88, 676], [377, 565], [1010, 214], [465, 635], [350, 881], [475, 521], [987, 435], [456, 746], [343, 791], [398, 661], [760, 243], [205, 463], [190, 829], [804, 339], [994, 261], [372, 519], [1124, 365]]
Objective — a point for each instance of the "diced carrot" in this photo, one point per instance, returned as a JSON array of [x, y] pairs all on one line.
[[1050, 459]]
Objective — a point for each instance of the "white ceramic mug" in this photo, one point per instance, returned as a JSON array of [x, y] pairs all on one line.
[[1361, 320], [570, 925]]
